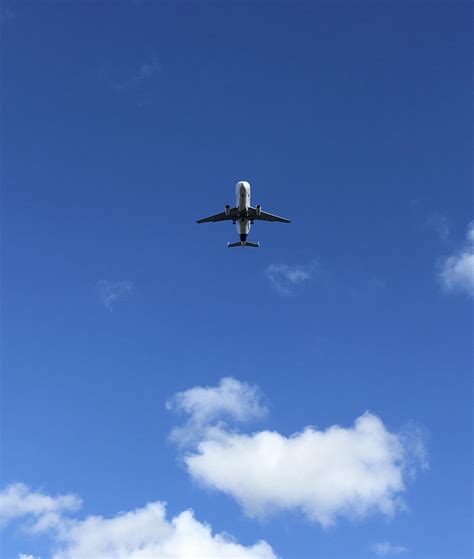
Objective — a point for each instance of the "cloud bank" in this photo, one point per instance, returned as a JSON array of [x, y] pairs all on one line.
[[325, 474], [456, 272], [141, 533]]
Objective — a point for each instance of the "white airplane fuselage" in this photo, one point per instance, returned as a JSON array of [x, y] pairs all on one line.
[[243, 215], [242, 202]]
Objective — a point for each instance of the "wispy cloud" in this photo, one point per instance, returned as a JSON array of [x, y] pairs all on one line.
[[431, 220], [456, 272], [286, 279], [440, 224], [385, 549], [325, 474], [112, 291], [18, 501], [136, 80], [142, 532], [143, 74]]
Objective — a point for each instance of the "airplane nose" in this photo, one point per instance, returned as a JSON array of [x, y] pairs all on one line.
[[242, 187]]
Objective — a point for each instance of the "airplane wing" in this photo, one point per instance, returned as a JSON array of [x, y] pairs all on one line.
[[233, 214], [264, 216]]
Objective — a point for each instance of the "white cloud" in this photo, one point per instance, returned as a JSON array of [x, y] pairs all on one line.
[[339, 472], [325, 474], [385, 548], [24, 556], [456, 271], [207, 404], [18, 501], [141, 533], [238, 399], [286, 279], [147, 533], [112, 291]]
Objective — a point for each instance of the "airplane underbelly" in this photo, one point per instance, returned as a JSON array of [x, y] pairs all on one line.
[[242, 195], [243, 203], [243, 226]]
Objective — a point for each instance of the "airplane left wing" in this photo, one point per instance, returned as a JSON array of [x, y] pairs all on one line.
[[264, 216], [223, 216]]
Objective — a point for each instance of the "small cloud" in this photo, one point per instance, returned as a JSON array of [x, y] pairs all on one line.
[[211, 404], [137, 79], [137, 84], [112, 291], [286, 279], [24, 556], [456, 272], [431, 220], [18, 501], [384, 549]]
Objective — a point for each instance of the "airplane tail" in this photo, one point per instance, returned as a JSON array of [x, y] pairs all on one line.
[[243, 244]]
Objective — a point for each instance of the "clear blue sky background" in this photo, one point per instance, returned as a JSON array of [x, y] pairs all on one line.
[[352, 119]]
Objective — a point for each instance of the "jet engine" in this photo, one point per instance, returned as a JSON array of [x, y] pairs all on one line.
[[227, 210], [258, 209]]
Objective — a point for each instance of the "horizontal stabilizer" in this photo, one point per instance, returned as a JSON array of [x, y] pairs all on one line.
[[243, 244]]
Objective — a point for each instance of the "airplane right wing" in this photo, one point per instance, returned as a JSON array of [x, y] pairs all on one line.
[[233, 214], [265, 216]]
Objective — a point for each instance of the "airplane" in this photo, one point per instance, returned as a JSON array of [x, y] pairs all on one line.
[[243, 215]]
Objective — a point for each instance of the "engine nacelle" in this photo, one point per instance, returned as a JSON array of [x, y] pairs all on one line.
[[258, 210], [227, 210]]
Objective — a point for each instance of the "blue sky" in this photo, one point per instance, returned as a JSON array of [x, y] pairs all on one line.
[[123, 123]]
